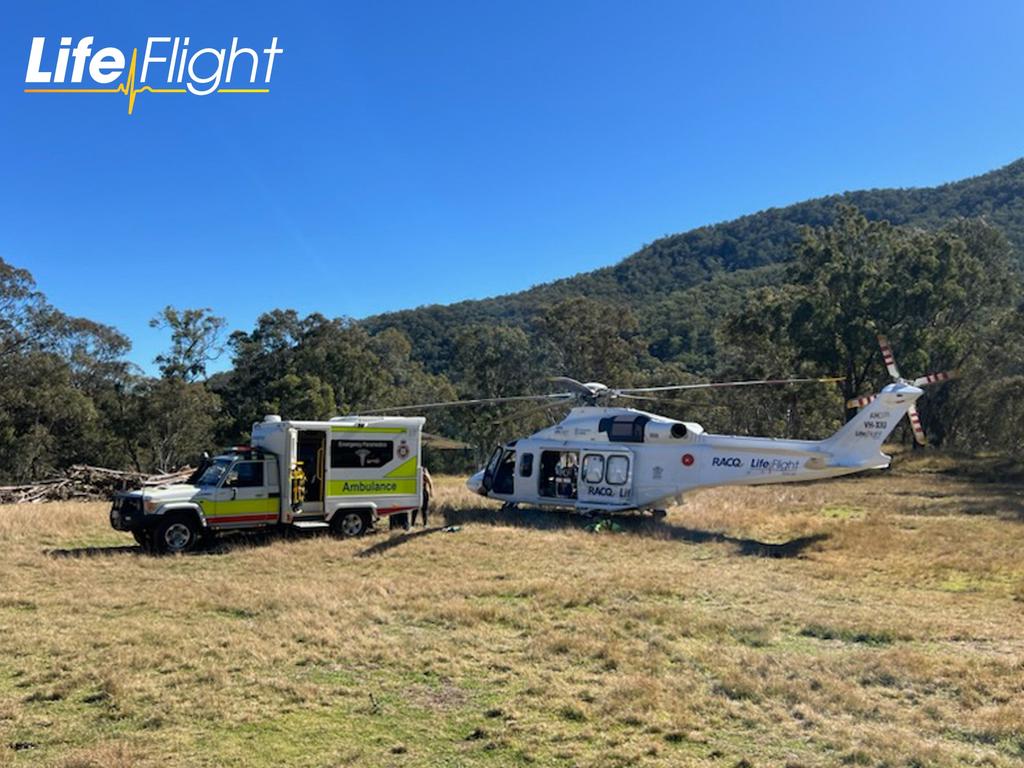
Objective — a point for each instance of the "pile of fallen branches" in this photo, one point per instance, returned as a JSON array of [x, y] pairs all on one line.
[[87, 483]]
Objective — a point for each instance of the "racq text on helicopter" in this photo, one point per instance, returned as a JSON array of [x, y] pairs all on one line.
[[602, 459]]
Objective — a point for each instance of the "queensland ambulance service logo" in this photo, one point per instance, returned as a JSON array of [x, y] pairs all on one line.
[[168, 66]]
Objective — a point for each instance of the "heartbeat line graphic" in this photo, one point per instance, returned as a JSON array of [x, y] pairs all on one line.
[[128, 88]]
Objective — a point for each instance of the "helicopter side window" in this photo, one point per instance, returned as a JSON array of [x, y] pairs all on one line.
[[617, 471], [593, 468], [624, 429], [526, 465]]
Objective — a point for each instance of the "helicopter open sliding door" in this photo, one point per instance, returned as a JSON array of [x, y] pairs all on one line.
[[558, 477], [606, 478]]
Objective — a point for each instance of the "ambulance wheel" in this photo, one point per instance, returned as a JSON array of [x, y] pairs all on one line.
[[350, 523], [175, 534], [398, 520]]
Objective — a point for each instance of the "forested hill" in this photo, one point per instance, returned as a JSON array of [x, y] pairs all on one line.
[[677, 284]]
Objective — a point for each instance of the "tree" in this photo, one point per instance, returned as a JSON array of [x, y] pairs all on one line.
[[174, 419], [175, 422], [929, 292], [195, 341], [592, 340], [495, 361], [55, 371], [314, 367], [985, 412]]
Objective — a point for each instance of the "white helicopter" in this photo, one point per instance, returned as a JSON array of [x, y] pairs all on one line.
[[606, 459]]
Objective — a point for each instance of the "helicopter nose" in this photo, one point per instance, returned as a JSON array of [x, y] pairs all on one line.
[[476, 483]]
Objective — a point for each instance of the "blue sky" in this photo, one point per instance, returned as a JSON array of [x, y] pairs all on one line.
[[413, 153]]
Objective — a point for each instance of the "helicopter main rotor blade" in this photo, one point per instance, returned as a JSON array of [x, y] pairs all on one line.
[[722, 384], [527, 412], [662, 401], [578, 387], [645, 397], [442, 443], [560, 396]]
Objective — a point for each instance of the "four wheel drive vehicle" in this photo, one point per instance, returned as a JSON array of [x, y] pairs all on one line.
[[343, 475]]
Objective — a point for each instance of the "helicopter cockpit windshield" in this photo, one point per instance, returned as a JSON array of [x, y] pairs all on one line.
[[504, 478], [499, 475]]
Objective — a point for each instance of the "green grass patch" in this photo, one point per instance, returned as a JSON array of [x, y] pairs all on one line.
[[850, 634]]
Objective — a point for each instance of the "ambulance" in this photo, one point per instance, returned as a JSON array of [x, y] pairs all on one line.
[[341, 475]]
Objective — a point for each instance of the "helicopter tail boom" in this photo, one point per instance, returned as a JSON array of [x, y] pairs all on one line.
[[859, 441]]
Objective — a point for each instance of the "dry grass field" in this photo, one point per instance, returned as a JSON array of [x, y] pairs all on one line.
[[876, 621]]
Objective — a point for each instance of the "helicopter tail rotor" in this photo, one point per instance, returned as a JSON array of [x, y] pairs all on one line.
[[915, 425], [936, 378], [860, 402], [890, 365], [889, 358]]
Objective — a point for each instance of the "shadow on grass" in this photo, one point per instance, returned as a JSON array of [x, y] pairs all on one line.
[[395, 541], [220, 545], [228, 541], [982, 498], [537, 519], [132, 549], [637, 525], [998, 500]]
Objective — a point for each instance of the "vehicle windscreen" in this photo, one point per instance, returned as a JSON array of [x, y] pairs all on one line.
[[214, 472]]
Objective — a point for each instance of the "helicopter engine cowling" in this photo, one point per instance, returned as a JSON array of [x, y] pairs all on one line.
[[660, 430]]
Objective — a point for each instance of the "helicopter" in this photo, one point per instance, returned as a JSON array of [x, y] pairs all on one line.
[[603, 458]]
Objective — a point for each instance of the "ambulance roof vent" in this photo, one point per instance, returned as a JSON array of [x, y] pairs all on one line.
[[271, 418]]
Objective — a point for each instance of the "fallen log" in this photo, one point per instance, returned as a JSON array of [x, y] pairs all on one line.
[[85, 482]]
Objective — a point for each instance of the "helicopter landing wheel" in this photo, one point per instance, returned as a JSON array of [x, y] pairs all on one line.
[[659, 514], [509, 506]]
